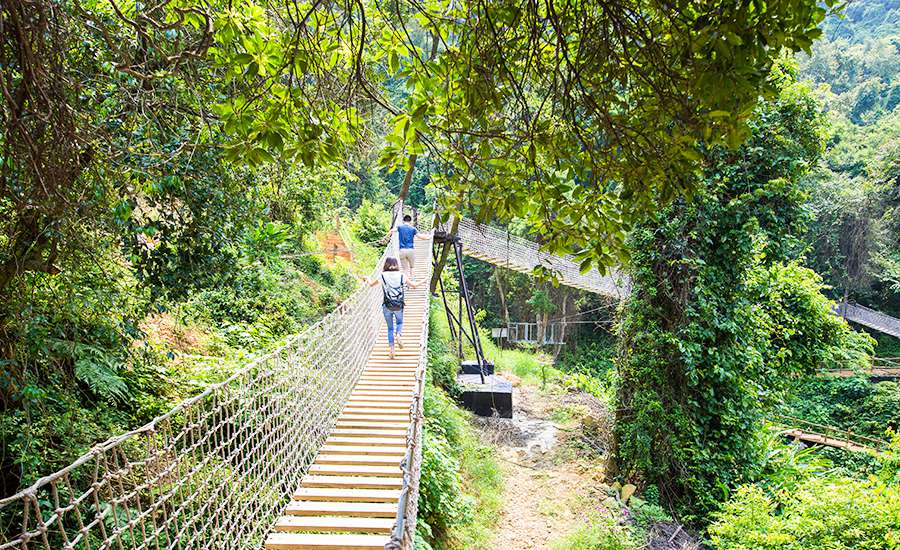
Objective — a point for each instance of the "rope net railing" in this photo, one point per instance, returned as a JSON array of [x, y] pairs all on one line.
[[217, 469], [869, 318], [500, 248]]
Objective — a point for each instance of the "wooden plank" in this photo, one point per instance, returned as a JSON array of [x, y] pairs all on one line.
[[391, 407], [371, 460], [347, 495], [403, 394], [356, 423], [303, 541], [391, 415], [377, 402], [397, 418], [353, 509], [384, 398], [393, 411], [363, 432], [352, 482], [370, 441], [386, 385], [362, 450], [332, 524], [369, 384], [390, 371], [352, 469], [398, 382]]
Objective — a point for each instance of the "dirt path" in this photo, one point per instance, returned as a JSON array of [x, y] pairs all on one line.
[[546, 490]]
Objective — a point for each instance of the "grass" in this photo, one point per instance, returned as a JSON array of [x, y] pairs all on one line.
[[466, 518], [483, 479], [599, 532], [530, 365]]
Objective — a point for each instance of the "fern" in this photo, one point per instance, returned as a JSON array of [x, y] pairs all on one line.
[[99, 371]]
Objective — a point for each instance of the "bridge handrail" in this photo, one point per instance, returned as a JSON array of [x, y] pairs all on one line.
[[217, 468]]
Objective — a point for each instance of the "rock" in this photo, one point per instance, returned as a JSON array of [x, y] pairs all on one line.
[[610, 503], [627, 491]]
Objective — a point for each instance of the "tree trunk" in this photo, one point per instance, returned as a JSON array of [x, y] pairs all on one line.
[[404, 189], [442, 260]]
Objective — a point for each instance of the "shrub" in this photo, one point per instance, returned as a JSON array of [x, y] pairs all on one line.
[[645, 514], [835, 513], [785, 465], [371, 223], [441, 502], [850, 403], [593, 357]]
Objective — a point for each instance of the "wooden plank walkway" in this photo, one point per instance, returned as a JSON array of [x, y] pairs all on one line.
[[829, 441], [350, 496], [885, 373], [870, 318]]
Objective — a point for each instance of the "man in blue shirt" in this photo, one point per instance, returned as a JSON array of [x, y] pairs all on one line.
[[407, 235]]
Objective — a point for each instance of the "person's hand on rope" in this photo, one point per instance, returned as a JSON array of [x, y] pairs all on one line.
[[387, 238]]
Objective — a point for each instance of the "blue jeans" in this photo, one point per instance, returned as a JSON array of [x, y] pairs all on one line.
[[394, 320]]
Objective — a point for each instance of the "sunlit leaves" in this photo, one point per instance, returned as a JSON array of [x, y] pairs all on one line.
[[506, 97]]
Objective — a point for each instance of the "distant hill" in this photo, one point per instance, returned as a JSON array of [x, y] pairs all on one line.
[[864, 20]]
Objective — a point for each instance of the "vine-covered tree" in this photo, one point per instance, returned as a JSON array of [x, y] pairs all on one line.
[[722, 313]]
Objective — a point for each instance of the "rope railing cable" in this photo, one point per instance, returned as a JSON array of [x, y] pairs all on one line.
[[218, 468]]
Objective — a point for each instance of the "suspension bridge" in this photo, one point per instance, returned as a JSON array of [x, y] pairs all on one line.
[[870, 318], [500, 248], [316, 444]]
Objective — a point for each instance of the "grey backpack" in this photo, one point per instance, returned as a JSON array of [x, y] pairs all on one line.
[[393, 296]]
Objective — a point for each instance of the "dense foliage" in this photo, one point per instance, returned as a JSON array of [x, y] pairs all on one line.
[[165, 164], [853, 404], [722, 314]]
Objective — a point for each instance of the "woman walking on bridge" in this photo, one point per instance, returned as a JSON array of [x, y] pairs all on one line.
[[393, 283]]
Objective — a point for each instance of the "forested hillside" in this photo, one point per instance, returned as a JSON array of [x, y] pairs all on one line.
[[856, 191]]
